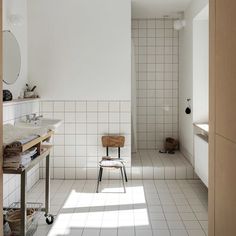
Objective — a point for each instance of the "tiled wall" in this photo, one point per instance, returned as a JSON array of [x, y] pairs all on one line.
[[156, 52], [11, 183], [77, 143]]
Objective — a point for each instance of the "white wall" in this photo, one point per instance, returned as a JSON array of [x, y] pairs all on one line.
[[80, 49], [11, 183], [201, 71], [18, 7], [186, 78]]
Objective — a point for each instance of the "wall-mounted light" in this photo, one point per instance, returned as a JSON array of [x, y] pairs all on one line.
[[179, 24], [16, 20]]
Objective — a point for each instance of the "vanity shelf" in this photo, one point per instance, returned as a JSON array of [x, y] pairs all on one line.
[[19, 101], [43, 151]]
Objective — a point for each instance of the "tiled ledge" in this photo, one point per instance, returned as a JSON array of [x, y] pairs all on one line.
[[150, 164]]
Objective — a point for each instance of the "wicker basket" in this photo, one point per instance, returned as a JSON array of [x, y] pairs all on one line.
[[13, 217], [171, 144]]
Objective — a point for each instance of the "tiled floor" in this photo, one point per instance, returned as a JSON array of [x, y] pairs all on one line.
[[150, 207], [150, 164]]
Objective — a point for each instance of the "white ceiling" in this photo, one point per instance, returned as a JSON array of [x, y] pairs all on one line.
[[158, 8]]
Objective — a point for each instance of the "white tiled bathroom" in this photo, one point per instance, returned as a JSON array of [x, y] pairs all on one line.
[[113, 68]]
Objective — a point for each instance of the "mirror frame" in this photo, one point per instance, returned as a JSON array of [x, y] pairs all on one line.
[[9, 31]]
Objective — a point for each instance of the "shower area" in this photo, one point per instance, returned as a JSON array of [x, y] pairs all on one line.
[[155, 73], [156, 65]]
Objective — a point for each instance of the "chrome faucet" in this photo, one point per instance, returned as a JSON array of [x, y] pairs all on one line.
[[33, 117]]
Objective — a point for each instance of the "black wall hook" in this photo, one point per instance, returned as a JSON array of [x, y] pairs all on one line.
[[188, 109]]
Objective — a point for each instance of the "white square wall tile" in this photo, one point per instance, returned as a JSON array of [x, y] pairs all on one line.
[[114, 117], [103, 117], [103, 106], [92, 117], [169, 172], [70, 128], [81, 106], [114, 106], [70, 162], [92, 173], [59, 107], [81, 151], [69, 173], [147, 172], [70, 151], [92, 128], [70, 139], [58, 150], [159, 173], [70, 106], [59, 173], [81, 117], [92, 106], [81, 173], [181, 172], [81, 128], [125, 117], [70, 117], [59, 139], [136, 173], [47, 106], [81, 140]]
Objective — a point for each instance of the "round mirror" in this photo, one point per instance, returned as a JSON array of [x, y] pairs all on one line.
[[11, 58]]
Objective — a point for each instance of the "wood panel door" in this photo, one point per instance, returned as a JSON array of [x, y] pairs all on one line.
[[222, 186]]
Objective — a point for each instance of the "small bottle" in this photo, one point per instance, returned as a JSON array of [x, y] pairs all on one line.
[[22, 94]]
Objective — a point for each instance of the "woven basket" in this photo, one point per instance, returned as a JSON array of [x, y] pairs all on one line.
[[171, 144], [13, 218]]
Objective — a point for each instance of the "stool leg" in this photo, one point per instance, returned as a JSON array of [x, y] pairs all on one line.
[[99, 176], [123, 181], [126, 179]]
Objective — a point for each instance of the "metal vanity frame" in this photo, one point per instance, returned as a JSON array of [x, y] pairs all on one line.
[[45, 153]]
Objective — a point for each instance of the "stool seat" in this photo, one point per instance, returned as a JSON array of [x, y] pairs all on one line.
[[111, 163]]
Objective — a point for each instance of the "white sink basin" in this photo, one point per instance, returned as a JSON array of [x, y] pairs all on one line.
[[50, 124]]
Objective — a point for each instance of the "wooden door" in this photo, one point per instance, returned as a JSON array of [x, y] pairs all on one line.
[[222, 181]]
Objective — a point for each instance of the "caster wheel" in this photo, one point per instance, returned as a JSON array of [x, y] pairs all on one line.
[[49, 219]]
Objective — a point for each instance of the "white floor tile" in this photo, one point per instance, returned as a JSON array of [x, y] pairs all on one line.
[[159, 224], [161, 232], [142, 232], [91, 232], [126, 232], [196, 233], [175, 224], [187, 216], [108, 232], [189, 224], [178, 233], [75, 232], [146, 209]]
